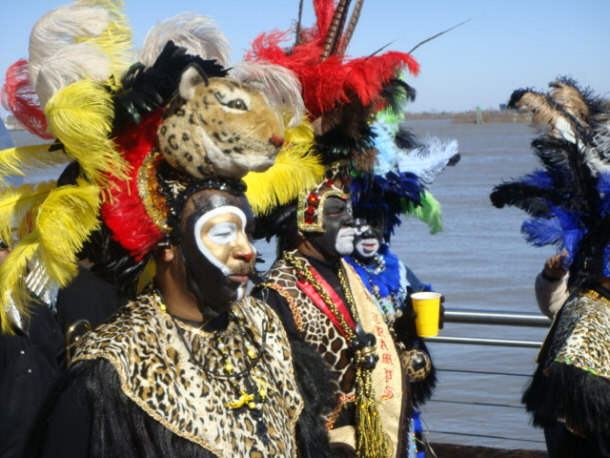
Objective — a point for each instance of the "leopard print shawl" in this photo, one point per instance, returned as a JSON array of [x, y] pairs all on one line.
[[581, 336], [157, 373]]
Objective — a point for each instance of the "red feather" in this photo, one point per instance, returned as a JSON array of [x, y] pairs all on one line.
[[20, 98], [337, 79], [334, 81], [123, 212]]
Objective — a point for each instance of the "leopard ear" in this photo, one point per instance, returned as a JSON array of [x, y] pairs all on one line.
[[192, 77]]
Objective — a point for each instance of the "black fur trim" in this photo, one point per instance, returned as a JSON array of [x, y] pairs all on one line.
[[314, 380], [574, 394], [116, 426], [146, 89]]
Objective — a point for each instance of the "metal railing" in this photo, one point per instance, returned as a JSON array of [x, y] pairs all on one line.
[[509, 437], [466, 316]]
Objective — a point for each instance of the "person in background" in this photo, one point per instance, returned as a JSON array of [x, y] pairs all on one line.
[[551, 285], [567, 200], [30, 363]]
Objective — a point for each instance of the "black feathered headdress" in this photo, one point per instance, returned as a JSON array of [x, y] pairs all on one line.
[[569, 197]]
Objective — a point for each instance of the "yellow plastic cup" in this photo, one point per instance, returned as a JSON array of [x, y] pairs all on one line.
[[427, 308]]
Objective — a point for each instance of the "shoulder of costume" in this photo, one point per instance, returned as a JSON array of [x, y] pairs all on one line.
[[112, 339]]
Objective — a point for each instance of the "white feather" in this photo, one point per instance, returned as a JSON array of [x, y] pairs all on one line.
[[426, 161], [198, 34], [61, 28], [597, 152], [280, 86], [73, 63]]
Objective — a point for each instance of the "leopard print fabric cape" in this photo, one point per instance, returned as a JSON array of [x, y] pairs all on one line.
[[582, 336], [157, 373]]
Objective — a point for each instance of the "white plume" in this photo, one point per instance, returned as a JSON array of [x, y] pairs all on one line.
[[58, 30], [426, 160], [73, 63], [198, 34], [280, 85]]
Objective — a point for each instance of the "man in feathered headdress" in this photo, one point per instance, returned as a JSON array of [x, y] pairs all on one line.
[[568, 200], [191, 366], [320, 297]]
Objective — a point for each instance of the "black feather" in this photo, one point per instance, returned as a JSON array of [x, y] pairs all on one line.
[[533, 200]]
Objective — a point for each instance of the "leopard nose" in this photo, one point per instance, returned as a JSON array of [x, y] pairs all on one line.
[[276, 141]]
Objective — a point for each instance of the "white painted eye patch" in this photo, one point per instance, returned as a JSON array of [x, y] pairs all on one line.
[[220, 234]]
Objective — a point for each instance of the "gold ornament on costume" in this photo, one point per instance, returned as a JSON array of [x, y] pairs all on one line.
[[148, 189], [310, 207], [416, 363]]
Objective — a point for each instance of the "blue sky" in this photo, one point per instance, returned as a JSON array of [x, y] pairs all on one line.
[[505, 46]]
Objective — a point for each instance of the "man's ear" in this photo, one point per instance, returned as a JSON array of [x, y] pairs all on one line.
[[167, 254]]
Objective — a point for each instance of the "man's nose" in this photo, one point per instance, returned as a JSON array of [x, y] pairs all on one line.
[[348, 221], [246, 257]]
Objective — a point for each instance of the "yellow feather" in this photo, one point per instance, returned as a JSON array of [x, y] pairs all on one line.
[[64, 221], [147, 275], [12, 284], [22, 160], [297, 167], [15, 203], [80, 115]]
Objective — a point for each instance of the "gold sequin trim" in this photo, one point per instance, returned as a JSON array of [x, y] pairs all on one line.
[[148, 190]]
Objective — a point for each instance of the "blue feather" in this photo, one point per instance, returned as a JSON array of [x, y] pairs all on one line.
[[564, 230], [539, 179]]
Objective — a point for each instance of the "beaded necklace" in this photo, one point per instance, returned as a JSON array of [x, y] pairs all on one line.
[[252, 392], [375, 267], [370, 440]]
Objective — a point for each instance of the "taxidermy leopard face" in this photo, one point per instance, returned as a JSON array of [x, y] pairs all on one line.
[[224, 128]]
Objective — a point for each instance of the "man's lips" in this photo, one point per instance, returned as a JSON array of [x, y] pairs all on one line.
[[239, 277]]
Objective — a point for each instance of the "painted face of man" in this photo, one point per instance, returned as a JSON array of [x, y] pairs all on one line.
[[338, 237], [216, 248], [367, 240]]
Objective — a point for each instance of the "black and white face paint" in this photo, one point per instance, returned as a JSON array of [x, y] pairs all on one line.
[[338, 237], [367, 240], [221, 235], [217, 251]]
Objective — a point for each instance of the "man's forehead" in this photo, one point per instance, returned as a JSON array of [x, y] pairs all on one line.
[[210, 199], [334, 202]]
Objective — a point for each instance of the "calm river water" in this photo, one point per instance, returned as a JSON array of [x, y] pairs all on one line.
[[480, 261]]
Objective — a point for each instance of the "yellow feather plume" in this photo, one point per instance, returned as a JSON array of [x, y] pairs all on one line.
[[16, 203], [80, 115], [61, 225], [12, 284], [22, 160], [297, 167], [64, 221]]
